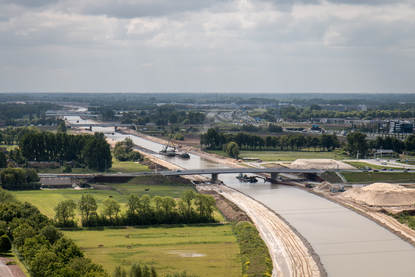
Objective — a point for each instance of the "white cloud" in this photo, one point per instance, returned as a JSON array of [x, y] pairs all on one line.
[[232, 45]]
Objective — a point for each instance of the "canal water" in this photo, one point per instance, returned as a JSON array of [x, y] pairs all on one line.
[[348, 244]]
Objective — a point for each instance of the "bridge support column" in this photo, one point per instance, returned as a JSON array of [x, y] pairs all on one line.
[[274, 176], [214, 178]]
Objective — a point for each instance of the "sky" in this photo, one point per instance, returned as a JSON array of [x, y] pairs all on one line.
[[333, 46]]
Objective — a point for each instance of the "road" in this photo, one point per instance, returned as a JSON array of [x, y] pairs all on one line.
[[5, 270]]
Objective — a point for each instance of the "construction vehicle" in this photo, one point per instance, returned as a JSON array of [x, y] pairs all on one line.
[[169, 151], [246, 179]]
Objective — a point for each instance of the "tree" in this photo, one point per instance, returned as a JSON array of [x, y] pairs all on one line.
[[133, 205], [410, 143], [3, 160], [44, 263], [65, 213], [168, 204], [88, 208], [357, 144], [123, 151], [232, 149], [145, 205], [205, 205], [185, 204], [111, 209], [61, 127], [97, 153]]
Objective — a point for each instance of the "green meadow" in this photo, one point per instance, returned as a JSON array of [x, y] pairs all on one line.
[[203, 250]]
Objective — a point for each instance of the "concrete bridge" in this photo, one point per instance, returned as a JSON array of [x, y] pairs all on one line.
[[90, 125], [214, 172]]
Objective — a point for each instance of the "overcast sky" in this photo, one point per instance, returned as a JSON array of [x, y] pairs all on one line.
[[207, 45]]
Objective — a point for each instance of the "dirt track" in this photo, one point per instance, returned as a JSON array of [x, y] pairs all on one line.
[[289, 254]]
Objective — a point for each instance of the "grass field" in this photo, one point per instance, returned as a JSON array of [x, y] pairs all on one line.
[[371, 177], [8, 147], [202, 250], [363, 165], [268, 156], [46, 200]]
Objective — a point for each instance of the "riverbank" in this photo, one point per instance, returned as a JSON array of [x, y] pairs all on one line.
[[291, 255]]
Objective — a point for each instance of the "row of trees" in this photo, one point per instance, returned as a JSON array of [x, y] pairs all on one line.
[[164, 115], [9, 111], [214, 139], [315, 111], [358, 144], [145, 210], [43, 249], [90, 150], [138, 270]]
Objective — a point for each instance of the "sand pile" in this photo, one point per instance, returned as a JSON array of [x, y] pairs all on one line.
[[382, 194], [319, 164]]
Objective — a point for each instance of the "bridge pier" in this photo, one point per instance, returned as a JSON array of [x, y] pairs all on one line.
[[214, 178], [274, 176]]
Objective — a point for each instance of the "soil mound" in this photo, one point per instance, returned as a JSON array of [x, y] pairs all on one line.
[[319, 164], [382, 194]]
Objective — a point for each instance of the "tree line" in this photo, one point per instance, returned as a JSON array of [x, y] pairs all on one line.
[[358, 144], [215, 140], [137, 270], [315, 111], [145, 210], [43, 249], [19, 179], [163, 115], [91, 151]]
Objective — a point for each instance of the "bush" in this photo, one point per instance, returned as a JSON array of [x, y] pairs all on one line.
[[19, 179], [67, 169], [256, 261], [5, 244]]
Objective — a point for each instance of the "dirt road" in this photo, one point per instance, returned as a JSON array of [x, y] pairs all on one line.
[[9, 270]]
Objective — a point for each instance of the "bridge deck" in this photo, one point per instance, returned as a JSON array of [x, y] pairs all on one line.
[[203, 171]]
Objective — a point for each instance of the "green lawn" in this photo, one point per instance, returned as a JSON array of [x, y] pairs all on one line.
[[202, 250], [268, 156], [371, 177], [363, 165], [46, 200]]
